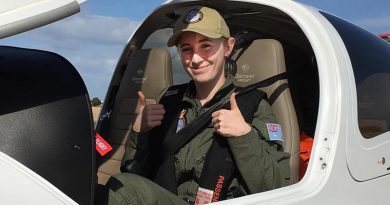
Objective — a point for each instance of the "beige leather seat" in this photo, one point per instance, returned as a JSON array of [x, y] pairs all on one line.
[[149, 70], [262, 59]]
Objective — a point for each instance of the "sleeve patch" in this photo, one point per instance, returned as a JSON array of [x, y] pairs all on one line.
[[274, 132]]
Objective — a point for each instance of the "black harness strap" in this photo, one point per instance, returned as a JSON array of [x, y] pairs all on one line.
[[163, 166], [219, 168], [274, 96], [170, 142]]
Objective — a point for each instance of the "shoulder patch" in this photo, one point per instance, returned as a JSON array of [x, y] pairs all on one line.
[[171, 92], [274, 132]]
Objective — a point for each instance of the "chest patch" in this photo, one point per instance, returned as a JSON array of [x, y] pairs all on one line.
[[181, 122]]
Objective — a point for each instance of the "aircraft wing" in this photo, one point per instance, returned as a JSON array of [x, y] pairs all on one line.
[[17, 16]]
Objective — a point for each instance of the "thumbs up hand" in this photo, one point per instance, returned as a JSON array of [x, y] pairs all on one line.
[[230, 123], [148, 116]]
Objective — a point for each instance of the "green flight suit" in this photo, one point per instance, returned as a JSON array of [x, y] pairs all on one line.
[[255, 158]]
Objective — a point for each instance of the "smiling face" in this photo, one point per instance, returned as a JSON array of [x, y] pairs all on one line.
[[203, 58]]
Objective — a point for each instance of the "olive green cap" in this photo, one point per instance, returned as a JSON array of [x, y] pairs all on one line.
[[202, 20]]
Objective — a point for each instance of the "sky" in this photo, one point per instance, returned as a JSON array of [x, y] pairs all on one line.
[[93, 39]]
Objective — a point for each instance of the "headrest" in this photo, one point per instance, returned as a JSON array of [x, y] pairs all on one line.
[[149, 70], [262, 59]]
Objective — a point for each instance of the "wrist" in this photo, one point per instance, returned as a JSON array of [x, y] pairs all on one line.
[[247, 129], [136, 127]]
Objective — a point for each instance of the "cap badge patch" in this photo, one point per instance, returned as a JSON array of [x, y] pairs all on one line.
[[193, 16]]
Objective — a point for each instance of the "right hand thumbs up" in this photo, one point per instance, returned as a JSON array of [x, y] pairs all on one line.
[[142, 99], [149, 116]]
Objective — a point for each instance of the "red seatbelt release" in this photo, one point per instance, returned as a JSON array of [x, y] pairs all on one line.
[[102, 145]]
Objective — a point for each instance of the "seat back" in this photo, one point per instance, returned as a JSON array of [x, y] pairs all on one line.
[[262, 59], [148, 70]]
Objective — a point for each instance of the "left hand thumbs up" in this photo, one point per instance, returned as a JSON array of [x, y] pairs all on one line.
[[233, 103], [230, 123]]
